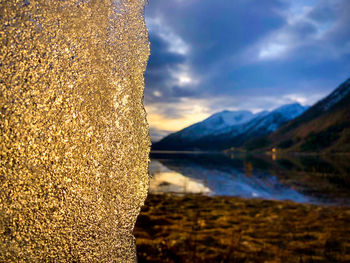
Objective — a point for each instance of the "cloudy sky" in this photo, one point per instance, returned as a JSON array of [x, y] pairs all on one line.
[[208, 56]]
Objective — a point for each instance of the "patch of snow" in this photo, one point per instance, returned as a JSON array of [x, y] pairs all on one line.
[[291, 111], [336, 96], [217, 122], [234, 123]]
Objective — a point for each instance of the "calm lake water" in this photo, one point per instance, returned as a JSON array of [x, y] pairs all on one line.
[[304, 179]]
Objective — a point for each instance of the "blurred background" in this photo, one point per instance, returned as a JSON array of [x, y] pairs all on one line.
[[244, 55], [248, 103]]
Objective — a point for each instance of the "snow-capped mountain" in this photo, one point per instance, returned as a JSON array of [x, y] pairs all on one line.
[[263, 124], [229, 129], [290, 111], [325, 127], [341, 92], [273, 120], [214, 124]]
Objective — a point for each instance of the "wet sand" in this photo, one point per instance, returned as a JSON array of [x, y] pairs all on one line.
[[195, 228]]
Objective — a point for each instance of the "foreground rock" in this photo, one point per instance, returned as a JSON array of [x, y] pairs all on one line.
[[74, 142], [195, 228]]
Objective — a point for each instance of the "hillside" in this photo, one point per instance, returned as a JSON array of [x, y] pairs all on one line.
[[325, 127], [229, 129]]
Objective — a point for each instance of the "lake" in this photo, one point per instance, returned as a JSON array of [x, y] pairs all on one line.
[[303, 179]]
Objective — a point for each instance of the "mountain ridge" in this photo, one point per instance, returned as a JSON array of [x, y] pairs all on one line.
[[321, 128], [324, 127], [213, 134]]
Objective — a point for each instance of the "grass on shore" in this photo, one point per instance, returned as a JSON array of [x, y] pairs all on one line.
[[195, 228]]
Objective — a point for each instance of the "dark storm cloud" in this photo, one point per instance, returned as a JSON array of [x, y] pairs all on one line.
[[214, 32], [340, 35], [180, 92], [247, 53], [160, 58], [217, 31], [158, 75], [323, 13]]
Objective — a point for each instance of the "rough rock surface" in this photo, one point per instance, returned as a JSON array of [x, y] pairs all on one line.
[[74, 140]]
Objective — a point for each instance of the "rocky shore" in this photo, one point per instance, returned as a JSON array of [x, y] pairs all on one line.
[[196, 228]]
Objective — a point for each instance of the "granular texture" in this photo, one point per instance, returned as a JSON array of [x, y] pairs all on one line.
[[74, 140]]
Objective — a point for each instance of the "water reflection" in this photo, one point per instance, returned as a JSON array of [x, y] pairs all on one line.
[[303, 179], [165, 180]]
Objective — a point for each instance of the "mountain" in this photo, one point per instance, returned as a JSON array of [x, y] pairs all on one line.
[[214, 124], [227, 129], [325, 127], [186, 139], [263, 124]]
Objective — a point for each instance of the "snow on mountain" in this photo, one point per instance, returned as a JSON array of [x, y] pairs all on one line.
[[229, 128], [325, 127], [291, 111], [265, 122], [279, 116], [217, 122], [336, 96]]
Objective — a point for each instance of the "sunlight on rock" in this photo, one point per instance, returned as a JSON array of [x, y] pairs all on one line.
[[74, 138]]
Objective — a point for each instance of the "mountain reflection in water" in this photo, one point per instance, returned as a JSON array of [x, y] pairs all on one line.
[[165, 180], [304, 179]]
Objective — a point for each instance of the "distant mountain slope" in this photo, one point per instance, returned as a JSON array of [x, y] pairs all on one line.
[[214, 124], [263, 124], [186, 138], [229, 129], [325, 127]]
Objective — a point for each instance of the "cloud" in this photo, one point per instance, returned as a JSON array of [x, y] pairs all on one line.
[[313, 25], [175, 43], [160, 56], [207, 57], [279, 44], [162, 115], [273, 50]]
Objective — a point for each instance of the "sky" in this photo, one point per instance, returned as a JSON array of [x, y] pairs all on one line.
[[208, 56]]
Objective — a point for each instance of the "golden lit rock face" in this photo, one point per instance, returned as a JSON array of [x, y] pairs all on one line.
[[74, 139]]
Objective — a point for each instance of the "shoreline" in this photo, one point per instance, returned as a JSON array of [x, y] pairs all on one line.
[[196, 228], [246, 152]]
